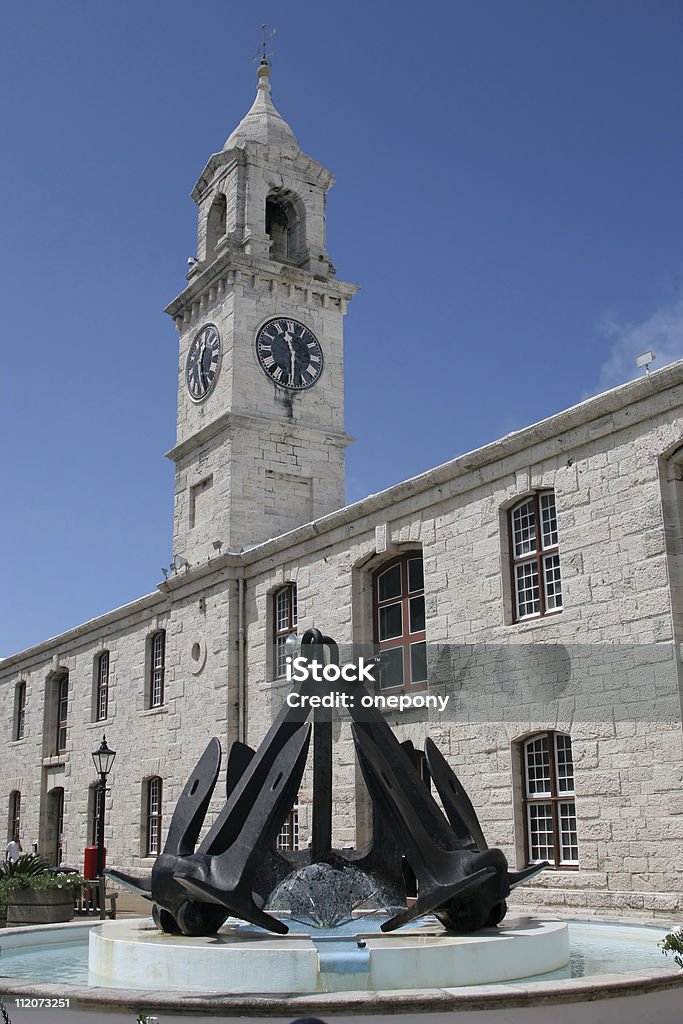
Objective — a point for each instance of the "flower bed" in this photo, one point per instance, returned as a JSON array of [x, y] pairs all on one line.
[[32, 893]]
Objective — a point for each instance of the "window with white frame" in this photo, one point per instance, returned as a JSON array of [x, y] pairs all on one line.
[[61, 691], [95, 797], [284, 624], [20, 710], [102, 693], [549, 804], [157, 646], [288, 836], [535, 557], [153, 829]]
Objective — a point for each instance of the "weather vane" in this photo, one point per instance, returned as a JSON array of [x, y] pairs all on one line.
[[262, 54]]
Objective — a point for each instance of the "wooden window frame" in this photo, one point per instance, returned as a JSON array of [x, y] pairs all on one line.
[[280, 634], [153, 817], [102, 691], [555, 798], [406, 639], [535, 558], [20, 710]]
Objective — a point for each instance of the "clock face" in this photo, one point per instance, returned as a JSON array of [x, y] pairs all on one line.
[[203, 362], [289, 353]]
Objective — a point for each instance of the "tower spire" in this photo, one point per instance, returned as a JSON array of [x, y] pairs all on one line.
[[263, 123]]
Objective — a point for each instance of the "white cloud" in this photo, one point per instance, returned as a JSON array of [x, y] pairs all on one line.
[[661, 333]]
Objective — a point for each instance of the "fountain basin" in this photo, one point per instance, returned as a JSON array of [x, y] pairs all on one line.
[[616, 975], [242, 959]]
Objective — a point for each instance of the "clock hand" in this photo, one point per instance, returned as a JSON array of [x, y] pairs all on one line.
[[200, 366], [292, 353]]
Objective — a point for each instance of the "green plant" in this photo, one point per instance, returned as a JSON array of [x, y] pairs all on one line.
[[26, 866], [673, 943], [31, 871], [71, 882]]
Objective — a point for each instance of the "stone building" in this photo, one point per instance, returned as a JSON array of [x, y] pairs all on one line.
[[536, 582]]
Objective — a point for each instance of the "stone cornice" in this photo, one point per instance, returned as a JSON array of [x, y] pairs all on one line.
[[263, 154], [231, 421], [606, 413], [126, 612], [225, 160], [233, 261]]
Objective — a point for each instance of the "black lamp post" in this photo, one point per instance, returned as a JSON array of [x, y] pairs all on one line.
[[103, 758]]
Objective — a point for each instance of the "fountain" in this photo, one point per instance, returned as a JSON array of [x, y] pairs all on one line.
[[238, 924], [236, 871]]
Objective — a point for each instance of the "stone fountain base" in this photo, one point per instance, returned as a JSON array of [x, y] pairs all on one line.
[[242, 959]]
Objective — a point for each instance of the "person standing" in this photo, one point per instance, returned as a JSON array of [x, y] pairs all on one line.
[[13, 851]]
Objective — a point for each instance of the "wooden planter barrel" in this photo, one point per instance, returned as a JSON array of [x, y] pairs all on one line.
[[39, 906]]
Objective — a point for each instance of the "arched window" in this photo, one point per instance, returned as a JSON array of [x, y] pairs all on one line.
[[535, 557], [216, 224], [284, 623], [102, 690], [399, 621], [19, 710], [152, 816], [549, 804], [286, 225]]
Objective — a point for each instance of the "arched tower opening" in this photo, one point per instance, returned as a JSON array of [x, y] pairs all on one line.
[[286, 226], [216, 223]]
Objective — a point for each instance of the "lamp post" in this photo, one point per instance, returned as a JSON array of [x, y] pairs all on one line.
[[103, 759]]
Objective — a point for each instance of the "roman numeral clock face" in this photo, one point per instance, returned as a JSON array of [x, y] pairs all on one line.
[[289, 353], [203, 362]]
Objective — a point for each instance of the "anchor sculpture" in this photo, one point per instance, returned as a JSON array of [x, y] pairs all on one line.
[[236, 870]]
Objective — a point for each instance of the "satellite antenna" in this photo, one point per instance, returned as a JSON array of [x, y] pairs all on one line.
[[644, 360]]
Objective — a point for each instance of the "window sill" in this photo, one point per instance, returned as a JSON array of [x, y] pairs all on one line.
[[17, 743], [161, 710], [555, 870], [396, 691], [101, 723], [535, 620], [55, 759]]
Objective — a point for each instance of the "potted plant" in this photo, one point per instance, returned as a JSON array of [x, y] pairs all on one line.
[[35, 894]]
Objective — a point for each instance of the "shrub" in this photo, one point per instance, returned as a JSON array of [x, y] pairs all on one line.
[[26, 866], [673, 943], [31, 871]]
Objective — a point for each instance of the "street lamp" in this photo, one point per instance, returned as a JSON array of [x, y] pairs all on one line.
[[103, 759]]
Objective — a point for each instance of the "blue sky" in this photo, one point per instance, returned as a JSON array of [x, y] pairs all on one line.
[[508, 196]]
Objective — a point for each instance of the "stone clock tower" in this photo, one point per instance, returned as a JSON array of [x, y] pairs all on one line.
[[260, 440]]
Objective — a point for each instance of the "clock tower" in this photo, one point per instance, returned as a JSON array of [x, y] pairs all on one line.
[[260, 436]]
